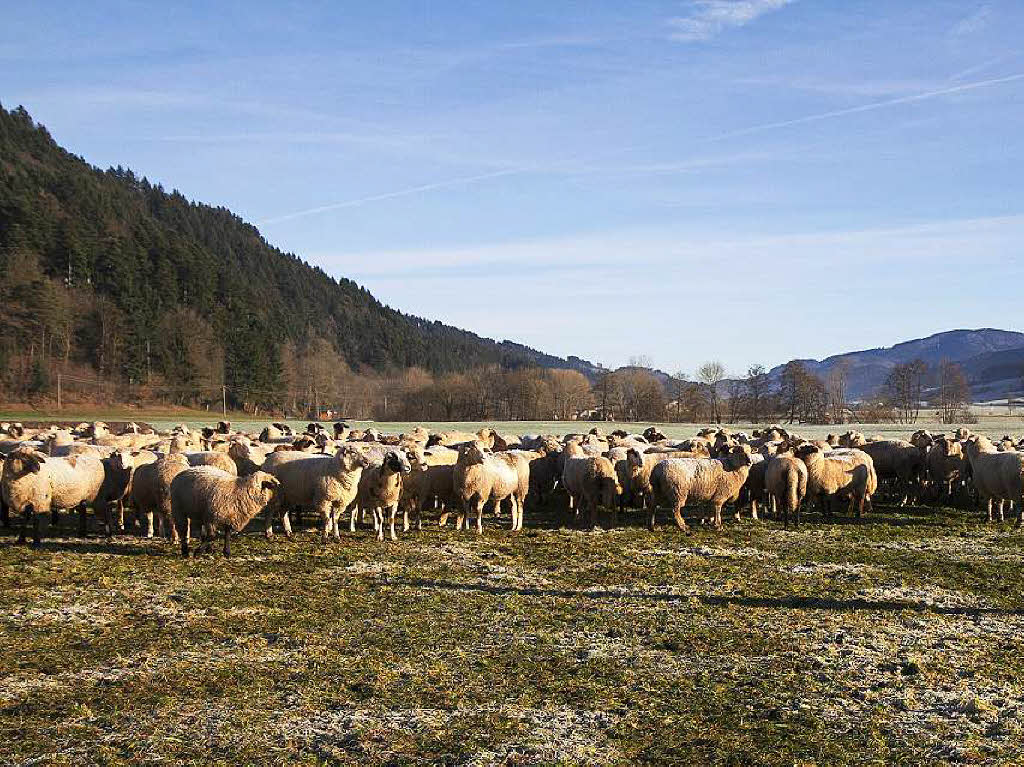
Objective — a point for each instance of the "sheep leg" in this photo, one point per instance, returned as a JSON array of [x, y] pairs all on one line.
[[81, 520], [718, 516], [5, 514], [25, 514], [352, 517], [120, 517], [678, 511], [405, 520], [325, 521], [392, 511], [227, 541], [479, 517], [336, 512], [753, 509]]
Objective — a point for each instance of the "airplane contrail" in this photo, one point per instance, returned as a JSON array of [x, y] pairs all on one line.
[[397, 193], [463, 180], [867, 107]]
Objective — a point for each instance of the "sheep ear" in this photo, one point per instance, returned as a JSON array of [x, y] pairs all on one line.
[[270, 483]]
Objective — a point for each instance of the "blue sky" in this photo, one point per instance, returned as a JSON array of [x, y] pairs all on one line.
[[747, 180]]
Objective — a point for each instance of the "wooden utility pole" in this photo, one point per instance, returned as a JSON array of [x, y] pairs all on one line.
[[58, 390], [224, 400]]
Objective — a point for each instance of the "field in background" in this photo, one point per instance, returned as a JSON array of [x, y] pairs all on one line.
[[892, 641], [994, 425]]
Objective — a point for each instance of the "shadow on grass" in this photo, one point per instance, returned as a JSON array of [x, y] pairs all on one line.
[[789, 603]]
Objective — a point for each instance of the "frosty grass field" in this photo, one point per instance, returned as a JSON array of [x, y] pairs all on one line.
[[892, 639]]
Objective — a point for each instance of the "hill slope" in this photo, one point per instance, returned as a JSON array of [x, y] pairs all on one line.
[[139, 262], [993, 360]]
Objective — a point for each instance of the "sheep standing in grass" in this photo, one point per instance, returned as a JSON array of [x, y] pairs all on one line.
[[676, 481], [997, 476], [480, 476], [327, 483], [785, 480], [151, 492], [901, 463], [208, 499], [380, 490], [845, 473], [591, 481], [946, 466], [35, 483], [430, 481], [640, 464]]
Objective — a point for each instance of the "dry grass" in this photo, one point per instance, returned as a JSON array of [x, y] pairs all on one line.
[[890, 641]]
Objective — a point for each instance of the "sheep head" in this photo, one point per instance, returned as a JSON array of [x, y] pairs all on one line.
[[739, 455], [351, 458], [397, 462], [22, 461], [473, 453], [807, 451]]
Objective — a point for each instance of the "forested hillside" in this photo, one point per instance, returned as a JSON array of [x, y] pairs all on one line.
[[108, 274]]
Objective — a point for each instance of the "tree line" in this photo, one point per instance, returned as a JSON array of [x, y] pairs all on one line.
[[107, 276]]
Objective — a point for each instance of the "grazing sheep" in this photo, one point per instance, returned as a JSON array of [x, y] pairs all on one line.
[[380, 489], [151, 492], [208, 499], [480, 476], [996, 476], [676, 481], [591, 481], [901, 463], [845, 473], [34, 483], [785, 481], [327, 483]]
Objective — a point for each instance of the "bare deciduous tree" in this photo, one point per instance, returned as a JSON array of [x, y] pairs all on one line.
[[710, 374]]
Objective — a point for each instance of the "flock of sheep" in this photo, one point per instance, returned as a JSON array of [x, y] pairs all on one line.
[[216, 481]]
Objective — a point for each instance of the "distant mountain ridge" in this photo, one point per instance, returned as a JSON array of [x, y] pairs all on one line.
[[993, 360]]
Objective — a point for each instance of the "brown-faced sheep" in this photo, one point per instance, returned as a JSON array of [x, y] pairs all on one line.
[[839, 474], [480, 476], [677, 481], [946, 466], [208, 499], [997, 476], [430, 481]]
